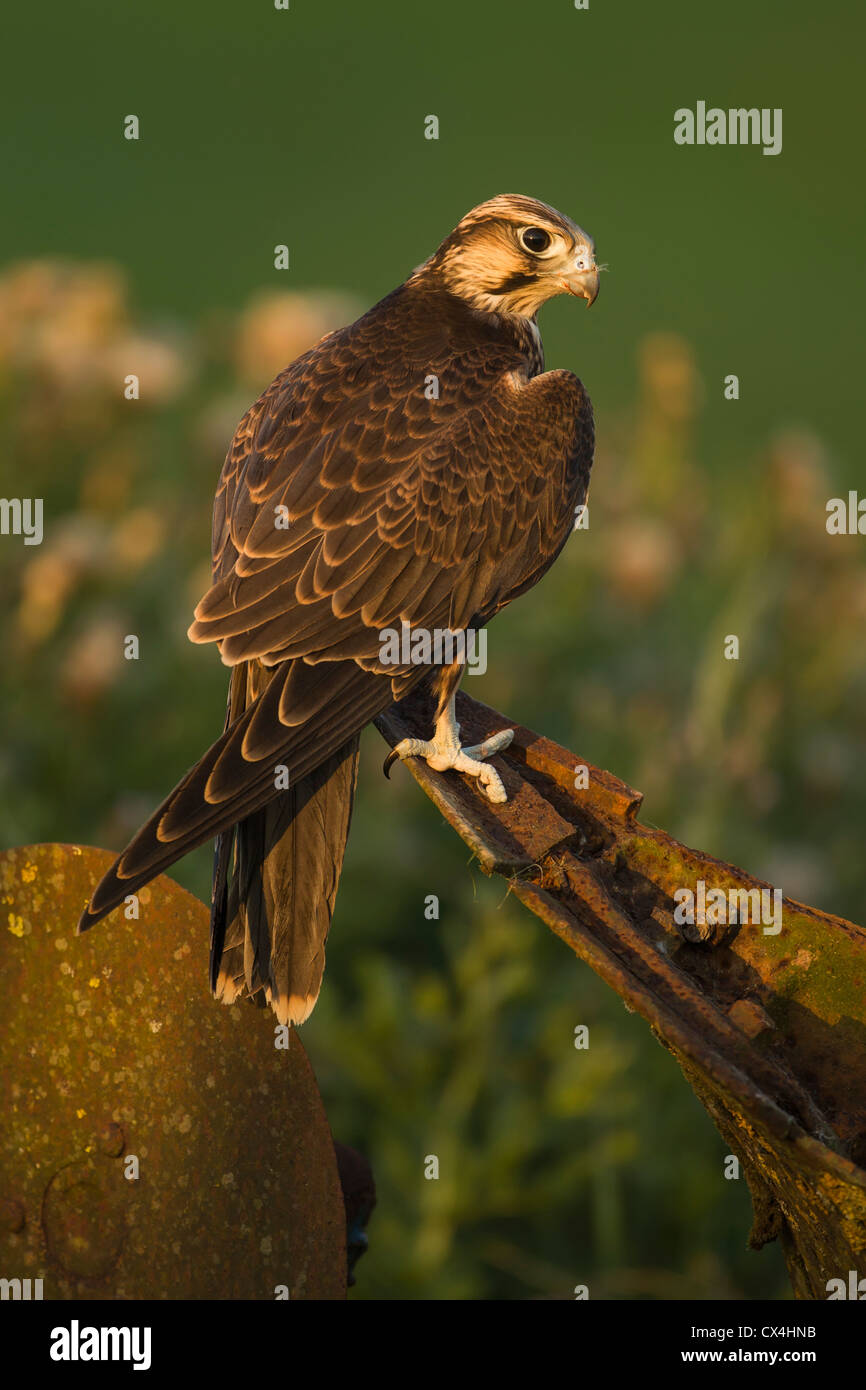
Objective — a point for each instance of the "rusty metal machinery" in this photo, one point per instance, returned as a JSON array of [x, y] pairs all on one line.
[[157, 1145], [768, 1028]]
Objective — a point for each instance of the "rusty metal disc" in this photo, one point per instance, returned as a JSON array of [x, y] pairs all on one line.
[[155, 1144]]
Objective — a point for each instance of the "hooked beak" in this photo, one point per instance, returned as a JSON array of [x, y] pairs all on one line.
[[581, 279], [583, 284]]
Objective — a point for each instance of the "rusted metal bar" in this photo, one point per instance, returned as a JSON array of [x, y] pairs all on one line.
[[769, 1026]]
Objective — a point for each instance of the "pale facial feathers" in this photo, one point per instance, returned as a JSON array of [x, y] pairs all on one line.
[[511, 254]]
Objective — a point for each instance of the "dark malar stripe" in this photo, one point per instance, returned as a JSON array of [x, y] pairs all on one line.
[[515, 282]]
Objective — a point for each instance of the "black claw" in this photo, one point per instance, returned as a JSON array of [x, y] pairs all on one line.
[[389, 762]]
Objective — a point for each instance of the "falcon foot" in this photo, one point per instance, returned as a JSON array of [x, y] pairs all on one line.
[[445, 752]]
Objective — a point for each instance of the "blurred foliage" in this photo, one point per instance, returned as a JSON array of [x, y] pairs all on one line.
[[454, 1037]]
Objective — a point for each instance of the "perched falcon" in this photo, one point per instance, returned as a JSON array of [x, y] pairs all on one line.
[[357, 496]]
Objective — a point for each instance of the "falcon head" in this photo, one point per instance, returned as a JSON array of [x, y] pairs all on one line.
[[511, 254]]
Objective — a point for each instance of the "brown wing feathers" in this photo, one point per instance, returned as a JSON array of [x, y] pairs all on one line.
[[349, 502], [237, 776]]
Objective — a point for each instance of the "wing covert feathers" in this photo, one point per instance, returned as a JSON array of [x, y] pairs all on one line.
[[353, 499]]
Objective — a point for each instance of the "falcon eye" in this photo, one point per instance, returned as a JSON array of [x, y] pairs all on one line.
[[535, 239]]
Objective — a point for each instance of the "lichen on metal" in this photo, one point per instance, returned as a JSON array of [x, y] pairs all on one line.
[[155, 1144]]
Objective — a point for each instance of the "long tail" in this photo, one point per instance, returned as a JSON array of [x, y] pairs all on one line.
[[278, 905], [279, 852]]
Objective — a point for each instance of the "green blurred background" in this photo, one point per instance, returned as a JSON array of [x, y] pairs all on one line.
[[306, 127]]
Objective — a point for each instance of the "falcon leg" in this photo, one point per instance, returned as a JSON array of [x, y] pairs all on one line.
[[443, 752]]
